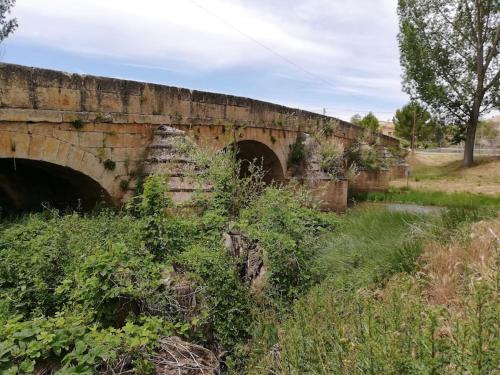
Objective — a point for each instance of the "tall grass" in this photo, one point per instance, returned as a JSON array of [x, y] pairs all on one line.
[[369, 315]]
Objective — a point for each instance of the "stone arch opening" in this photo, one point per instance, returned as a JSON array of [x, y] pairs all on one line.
[[30, 185], [248, 151]]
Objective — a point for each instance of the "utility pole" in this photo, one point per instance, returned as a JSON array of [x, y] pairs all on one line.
[[413, 129]]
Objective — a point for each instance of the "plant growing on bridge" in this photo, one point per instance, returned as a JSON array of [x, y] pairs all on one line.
[[364, 156], [297, 154], [77, 123], [109, 164], [7, 26], [450, 57], [331, 154]]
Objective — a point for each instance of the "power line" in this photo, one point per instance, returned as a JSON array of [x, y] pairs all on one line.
[[282, 57], [269, 49]]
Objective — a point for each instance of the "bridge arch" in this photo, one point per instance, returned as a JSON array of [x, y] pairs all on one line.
[[251, 150], [27, 185], [54, 172]]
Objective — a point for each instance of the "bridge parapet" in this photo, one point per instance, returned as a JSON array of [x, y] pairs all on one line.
[[52, 95]]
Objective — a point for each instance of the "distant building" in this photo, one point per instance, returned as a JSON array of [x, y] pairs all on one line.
[[387, 128]]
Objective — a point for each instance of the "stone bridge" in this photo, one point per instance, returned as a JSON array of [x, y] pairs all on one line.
[[73, 138]]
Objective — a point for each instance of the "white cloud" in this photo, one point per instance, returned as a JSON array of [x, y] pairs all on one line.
[[350, 45]]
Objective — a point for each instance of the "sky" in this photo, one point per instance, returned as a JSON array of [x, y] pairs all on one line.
[[310, 54]]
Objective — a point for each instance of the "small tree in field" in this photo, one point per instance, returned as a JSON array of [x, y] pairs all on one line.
[[7, 26], [450, 58], [414, 123]]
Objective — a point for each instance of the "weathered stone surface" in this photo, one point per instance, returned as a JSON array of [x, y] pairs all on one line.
[[367, 181], [80, 121]]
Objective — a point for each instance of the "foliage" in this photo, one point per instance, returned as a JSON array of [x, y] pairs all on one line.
[[364, 156], [450, 57], [331, 154], [77, 124], [297, 153], [226, 309], [370, 314], [370, 122], [425, 127], [288, 234], [235, 182], [109, 164], [7, 26], [356, 119], [329, 127], [72, 345]]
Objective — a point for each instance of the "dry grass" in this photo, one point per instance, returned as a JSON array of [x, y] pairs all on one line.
[[444, 172], [450, 269]]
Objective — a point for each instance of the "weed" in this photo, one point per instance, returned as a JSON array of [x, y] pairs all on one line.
[[109, 164], [77, 124], [124, 185]]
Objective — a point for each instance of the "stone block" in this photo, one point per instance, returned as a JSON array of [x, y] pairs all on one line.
[[92, 166], [6, 144], [367, 181], [63, 153], [331, 194], [57, 98], [37, 146], [75, 158], [51, 149], [22, 145], [68, 136], [110, 102], [29, 115], [41, 129], [90, 139]]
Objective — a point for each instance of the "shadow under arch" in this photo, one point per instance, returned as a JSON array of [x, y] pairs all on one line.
[[29, 185], [248, 151]]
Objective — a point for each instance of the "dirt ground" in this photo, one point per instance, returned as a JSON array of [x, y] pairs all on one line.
[[444, 172]]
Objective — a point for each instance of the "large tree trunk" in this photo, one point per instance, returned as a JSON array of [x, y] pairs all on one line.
[[470, 139]]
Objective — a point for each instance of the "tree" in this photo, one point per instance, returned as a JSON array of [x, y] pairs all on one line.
[[7, 26], [450, 58], [370, 121], [414, 123], [356, 119]]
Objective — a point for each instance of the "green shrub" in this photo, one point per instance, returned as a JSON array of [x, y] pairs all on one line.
[[112, 283], [109, 164], [71, 345], [77, 124], [297, 154], [288, 233], [332, 158], [226, 310]]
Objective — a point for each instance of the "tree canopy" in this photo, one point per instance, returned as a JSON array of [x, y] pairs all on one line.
[[450, 58], [370, 121], [7, 25], [425, 126]]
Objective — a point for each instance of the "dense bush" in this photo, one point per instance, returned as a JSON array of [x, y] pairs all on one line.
[[288, 233], [332, 158]]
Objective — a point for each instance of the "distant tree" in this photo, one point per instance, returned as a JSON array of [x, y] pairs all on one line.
[[370, 121], [356, 119], [450, 58], [7, 26], [414, 123]]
